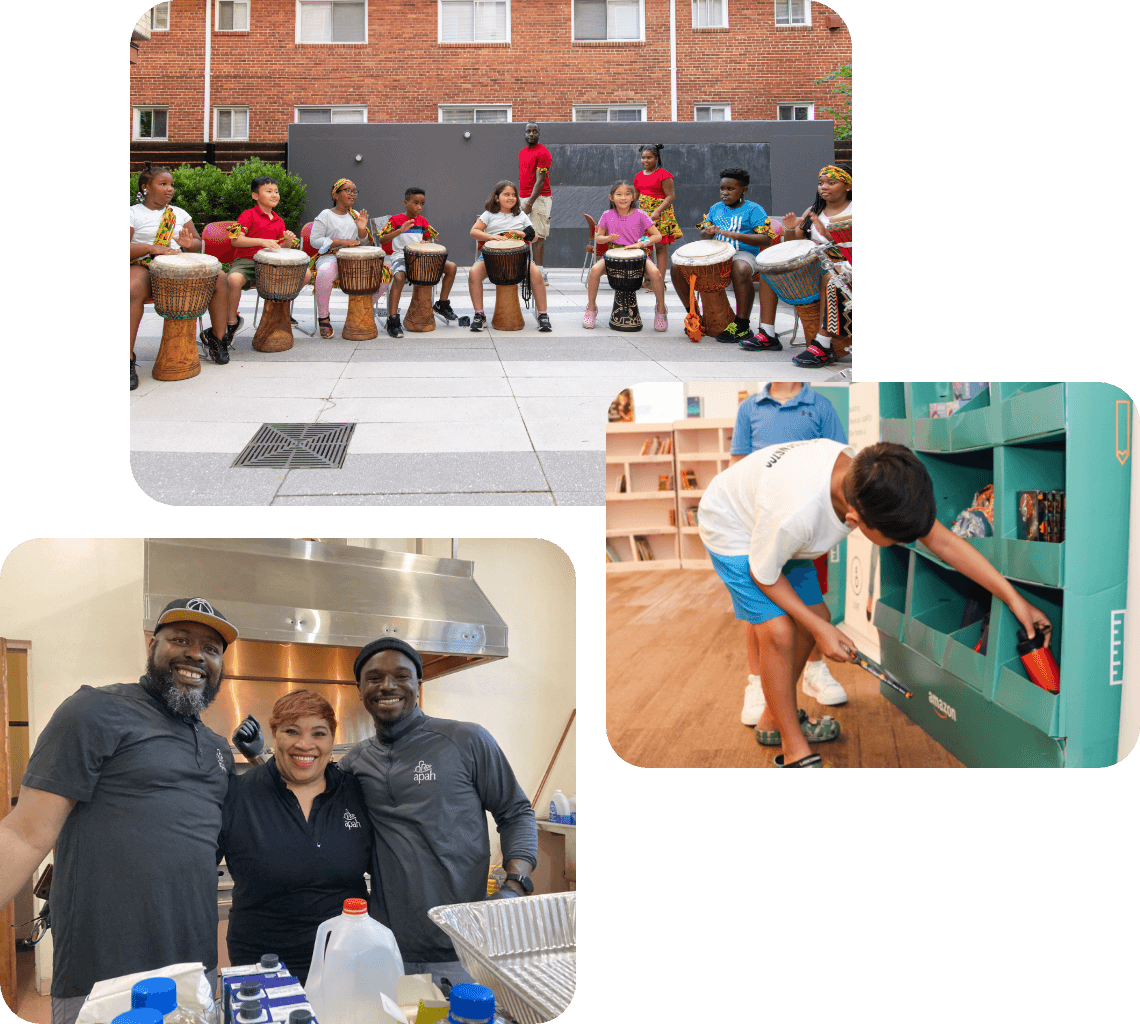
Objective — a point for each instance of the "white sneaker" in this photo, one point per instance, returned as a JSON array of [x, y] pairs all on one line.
[[822, 685], [754, 702]]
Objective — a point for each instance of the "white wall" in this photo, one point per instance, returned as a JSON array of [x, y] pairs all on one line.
[[721, 397]]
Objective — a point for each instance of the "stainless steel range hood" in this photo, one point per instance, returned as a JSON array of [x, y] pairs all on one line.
[[298, 591], [304, 609]]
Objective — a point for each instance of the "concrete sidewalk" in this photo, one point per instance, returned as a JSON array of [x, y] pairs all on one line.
[[450, 417]]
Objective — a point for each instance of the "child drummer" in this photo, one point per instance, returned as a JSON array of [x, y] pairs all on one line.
[[832, 199], [735, 219], [503, 218], [623, 225], [411, 226], [159, 228], [256, 228], [340, 227]]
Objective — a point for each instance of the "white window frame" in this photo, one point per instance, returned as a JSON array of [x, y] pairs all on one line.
[[610, 107], [703, 28], [231, 107], [641, 28], [218, 15], [473, 107], [794, 24], [330, 107], [153, 26], [795, 103], [326, 42], [469, 42], [727, 110], [135, 128]]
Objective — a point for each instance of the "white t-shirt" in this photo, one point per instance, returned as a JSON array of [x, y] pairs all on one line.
[[775, 505], [497, 223], [145, 222], [329, 225], [825, 220]]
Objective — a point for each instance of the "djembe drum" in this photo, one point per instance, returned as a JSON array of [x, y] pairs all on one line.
[[280, 278], [423, 267], [506, 261], [182, 286], [361, 270], [709, 261], [625, 271], [792, 269], [840, 231]]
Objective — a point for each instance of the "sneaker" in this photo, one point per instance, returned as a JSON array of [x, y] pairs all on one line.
[[544, 323], [762, 342], [814, 356], [478, 322], [393, 326], [232, 329], [754, 702], [219, 350], [660, 321], [822, 685], [293, 321], [734, 333], [589, 317], [134, 375], [443, 308]]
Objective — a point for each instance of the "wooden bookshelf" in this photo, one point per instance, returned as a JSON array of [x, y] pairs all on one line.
[[643, 508], [702, 446]]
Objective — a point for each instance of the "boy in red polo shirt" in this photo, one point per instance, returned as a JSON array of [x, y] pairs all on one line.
[[256, 228]]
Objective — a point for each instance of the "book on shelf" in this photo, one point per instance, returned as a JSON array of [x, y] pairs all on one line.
[[657, 446], [664, 482], [620, 485], [1041, 516], [611, 554], [644, 551], [691, 516], [672, 517], [689, 480], [693, 407]]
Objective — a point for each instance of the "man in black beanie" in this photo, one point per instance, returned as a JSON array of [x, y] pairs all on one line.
[[429, 783]]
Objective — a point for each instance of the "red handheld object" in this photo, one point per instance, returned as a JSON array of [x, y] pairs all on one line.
[[1038, 660]]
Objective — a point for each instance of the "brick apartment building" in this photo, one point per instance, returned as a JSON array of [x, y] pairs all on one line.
[[233, 74]]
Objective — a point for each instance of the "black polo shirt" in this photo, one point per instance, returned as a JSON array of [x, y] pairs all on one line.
[[291, 874], [135, 885]]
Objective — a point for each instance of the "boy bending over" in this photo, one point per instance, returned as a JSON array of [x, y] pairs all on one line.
[[766, 517]]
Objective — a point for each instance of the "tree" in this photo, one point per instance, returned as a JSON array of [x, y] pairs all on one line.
[[840, 80]]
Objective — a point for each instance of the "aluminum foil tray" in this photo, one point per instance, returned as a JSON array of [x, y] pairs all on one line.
[[523, 949]]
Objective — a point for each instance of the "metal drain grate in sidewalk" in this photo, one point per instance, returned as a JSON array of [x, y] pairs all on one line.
[[297, 445]]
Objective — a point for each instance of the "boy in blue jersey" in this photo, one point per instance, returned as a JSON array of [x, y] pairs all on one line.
[[735, 219]]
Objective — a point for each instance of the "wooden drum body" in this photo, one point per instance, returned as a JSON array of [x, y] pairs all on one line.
[[280, 278], [182, 286], [710, 261], [423, 267], [625, 270], [507, 262], [360, 270]]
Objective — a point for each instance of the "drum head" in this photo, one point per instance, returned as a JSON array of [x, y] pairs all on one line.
[[785, 252], [185, 264], [281, 257], [504, 245], [625, 252], [361, 252], [702, 253], [425, 247]]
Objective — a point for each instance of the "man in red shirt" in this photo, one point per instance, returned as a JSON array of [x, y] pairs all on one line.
[[534, 183]]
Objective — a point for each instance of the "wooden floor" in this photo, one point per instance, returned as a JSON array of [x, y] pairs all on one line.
[[676, 672]]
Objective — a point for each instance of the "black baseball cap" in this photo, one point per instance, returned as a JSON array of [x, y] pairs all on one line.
[[388, 643], [197, 609]]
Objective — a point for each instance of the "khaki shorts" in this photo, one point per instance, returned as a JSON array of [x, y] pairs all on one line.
[[540, 216]]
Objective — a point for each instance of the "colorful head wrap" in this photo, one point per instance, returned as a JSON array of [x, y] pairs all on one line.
[[340, 183], [836, 172]]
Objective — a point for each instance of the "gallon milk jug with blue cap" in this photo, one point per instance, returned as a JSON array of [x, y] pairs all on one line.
[[356, 961], [471, 1004]]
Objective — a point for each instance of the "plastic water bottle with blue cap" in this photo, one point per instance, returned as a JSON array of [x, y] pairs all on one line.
[[471, 1004]]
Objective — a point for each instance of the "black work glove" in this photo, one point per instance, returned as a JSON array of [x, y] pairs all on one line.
[[247, 737]]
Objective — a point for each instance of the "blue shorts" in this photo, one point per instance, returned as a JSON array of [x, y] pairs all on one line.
[[749, 601]]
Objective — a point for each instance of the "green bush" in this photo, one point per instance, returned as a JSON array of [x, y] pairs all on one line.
[[841, 77]]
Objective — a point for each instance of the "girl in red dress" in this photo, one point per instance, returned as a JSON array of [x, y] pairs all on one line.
[[654, 185]]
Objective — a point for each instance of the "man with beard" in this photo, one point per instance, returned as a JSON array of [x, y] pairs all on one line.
[[128, 784], [428, 784]]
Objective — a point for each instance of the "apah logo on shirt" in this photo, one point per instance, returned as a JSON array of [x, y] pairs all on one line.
[[423, 773], [221, 760], [350, 820]]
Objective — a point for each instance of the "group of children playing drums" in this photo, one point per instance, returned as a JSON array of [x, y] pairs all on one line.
[[739, 244]]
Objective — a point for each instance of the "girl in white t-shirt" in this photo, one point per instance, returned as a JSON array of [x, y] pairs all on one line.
[[504, 219]]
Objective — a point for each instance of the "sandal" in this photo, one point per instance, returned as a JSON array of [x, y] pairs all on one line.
[[589, 318], [325, 324], [826, 728], [811, 761]]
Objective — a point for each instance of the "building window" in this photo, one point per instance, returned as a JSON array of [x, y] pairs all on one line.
[[593, 20], [713, 112], [332, 115], [232, 16], [231, 124], [795, 112], [793, 12], [160, 17], [451, 114], [474, 21], [710, 13], [150, 123], [609, 113], [332, 21]]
